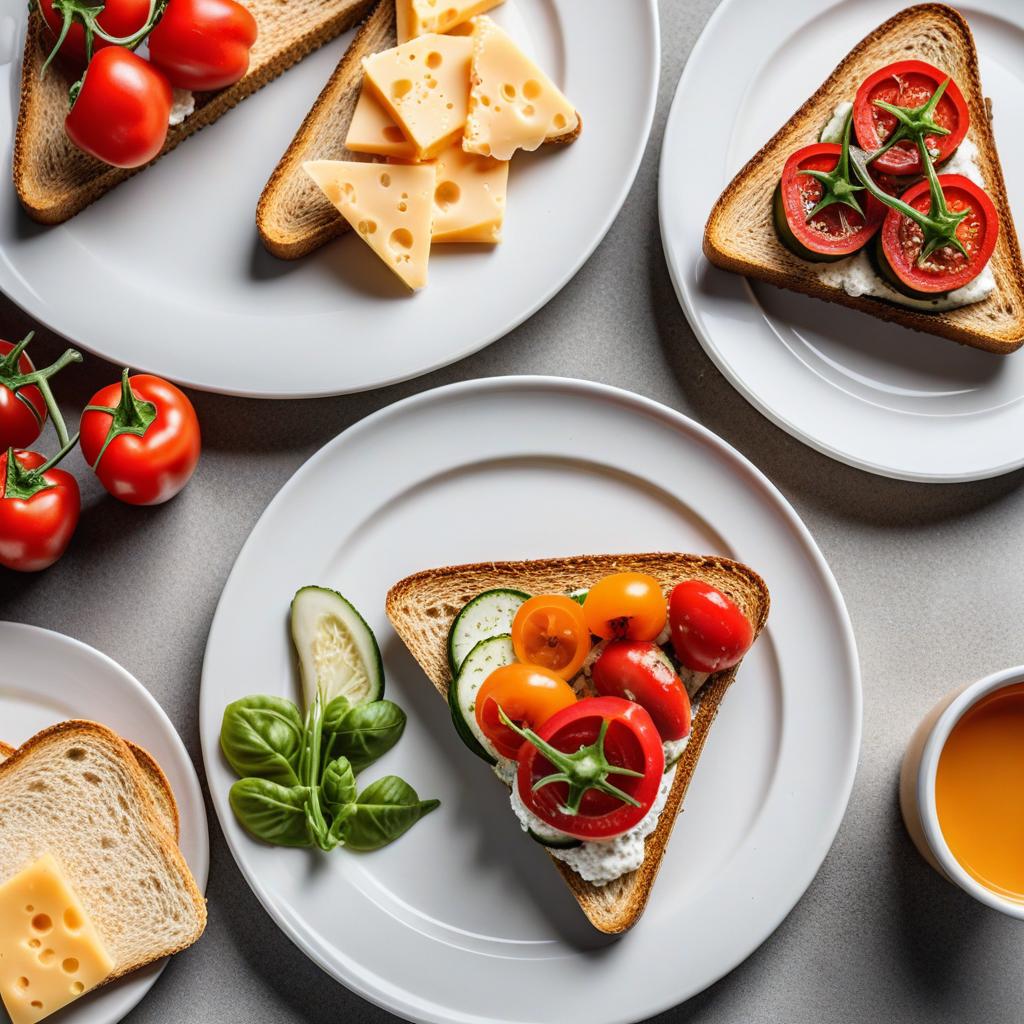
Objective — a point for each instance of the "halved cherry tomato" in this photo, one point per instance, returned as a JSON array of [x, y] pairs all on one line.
[[709, 632], [908, 83], [550, 630], [528, 694], [639, 670], [203, 44], [627, 606], [606, 733], [119, 18], [946, 268]]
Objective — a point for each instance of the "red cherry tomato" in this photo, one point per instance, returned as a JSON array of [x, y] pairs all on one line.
[[709, 632], [908, 83], [22, 412], [155, 442], [630, 741], [121, 114], [837, 230], [640, 671], [35, 529], [627, 606], [946, 268], [119, 18], [203, 44]]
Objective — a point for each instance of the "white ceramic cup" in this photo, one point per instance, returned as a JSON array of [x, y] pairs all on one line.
[[917, 786]]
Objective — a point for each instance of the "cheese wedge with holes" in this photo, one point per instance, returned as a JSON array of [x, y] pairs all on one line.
[[417, 17], [512, 103], [424, 86], [389, 205], [469, 196], [50, 952], [373, 130]]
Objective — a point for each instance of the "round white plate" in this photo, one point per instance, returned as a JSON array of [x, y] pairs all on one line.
[[47, 677], [464, 919], [167, 273], [871, 394]]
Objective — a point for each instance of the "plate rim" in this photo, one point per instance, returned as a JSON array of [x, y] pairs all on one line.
[[641, 405]]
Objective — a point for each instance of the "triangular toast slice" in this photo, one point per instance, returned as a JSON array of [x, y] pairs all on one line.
[[740, 235], [55, 180], [422, 607]]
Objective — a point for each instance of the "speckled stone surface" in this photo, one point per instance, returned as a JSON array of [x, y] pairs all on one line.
[[931, 575]]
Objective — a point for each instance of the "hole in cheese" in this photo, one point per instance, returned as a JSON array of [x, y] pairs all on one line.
[[559, 120], [385, 180], [508, 91], [70, 965], [528, 110], [433, 59], [23, 983], [392, 133], [42, 923], [485, 100], [77, 988], [531, 89], [403, 206], [36, 1004], [34, 943], [400, 87], [30, 909], [47, 956], [446, 194], [367, 227], [401, 238]]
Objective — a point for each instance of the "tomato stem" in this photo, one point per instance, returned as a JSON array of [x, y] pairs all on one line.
[[23, 483], [13, 379], [132, 415], [837, 185], [913, 123]]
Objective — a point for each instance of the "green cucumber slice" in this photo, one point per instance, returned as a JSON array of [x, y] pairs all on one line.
[[481, 661], [563, 843], [488, 614], [338, 653]]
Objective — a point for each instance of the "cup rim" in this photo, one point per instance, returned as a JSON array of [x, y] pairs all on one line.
[[933, 747]]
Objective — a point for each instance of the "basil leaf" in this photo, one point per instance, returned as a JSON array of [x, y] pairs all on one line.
[[362, 733], [383, 811], [262, 738], [335, 712], [338, 786], [276, 814]]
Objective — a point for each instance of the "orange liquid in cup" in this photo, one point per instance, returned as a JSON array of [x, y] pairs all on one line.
[[979, 791]]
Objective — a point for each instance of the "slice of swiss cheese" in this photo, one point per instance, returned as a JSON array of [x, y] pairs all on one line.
[[389, 205], [469, 197], [50, 952], [373, 130], [417, 17], [512, 103], [424, 85]]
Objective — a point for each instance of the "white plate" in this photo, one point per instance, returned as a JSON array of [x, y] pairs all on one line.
[[174, 253], [874, 395], [463, 919], [46, 677]]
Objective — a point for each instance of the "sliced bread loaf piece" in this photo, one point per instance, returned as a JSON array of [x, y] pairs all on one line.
[[422, 607]]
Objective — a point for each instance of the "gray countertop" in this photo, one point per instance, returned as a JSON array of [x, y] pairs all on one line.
[[931, 575]]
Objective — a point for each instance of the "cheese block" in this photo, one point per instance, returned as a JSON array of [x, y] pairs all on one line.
[[469, 197], [389, 205], [512, 103], [373, 130], [417, 17], [424, 85], [50, 952]]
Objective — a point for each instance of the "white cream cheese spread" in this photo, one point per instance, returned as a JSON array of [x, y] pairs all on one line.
[[183, 105]]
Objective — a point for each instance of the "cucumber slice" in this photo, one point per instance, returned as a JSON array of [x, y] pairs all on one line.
[[481, 661], [338, 653], [488, 614], [562, 843]]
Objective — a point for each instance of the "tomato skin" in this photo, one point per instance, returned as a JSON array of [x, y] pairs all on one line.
[[18, 427], [626, 606], [945, 269], [35, 531], [908, 83], [121, 114], [550, 630], [119, 18], [640, 671], [632, 741], [709, 632], [203, 44], [153, 468]]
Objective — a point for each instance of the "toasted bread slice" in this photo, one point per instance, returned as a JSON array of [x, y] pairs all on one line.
[[422, 607], [75, 790], [55, 180], [740, 235], [158, 789]]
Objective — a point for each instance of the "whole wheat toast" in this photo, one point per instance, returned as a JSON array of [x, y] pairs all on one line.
[[740, 235], [55, 180], [422, 607]]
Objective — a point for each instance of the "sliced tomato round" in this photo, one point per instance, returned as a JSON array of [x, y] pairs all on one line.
[[946, 268], [550, 630], [631, 741], [834, 232], [908, 83]]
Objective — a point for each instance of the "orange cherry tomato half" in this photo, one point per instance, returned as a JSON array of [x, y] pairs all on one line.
[[528, 694], [551, 631], [626, 606]]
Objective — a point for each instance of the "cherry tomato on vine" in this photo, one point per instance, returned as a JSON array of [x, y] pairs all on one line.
[[141, 438], [39, 508], [116, 18], [627, 606], [203, 44], [551, 631], [22, 411], [709, 632], [121, 112]]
